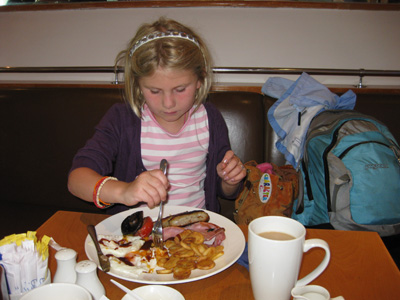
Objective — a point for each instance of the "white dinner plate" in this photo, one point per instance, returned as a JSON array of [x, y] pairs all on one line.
[[234, 244]]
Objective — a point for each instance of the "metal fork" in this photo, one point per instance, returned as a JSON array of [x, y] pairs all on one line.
[[157, 231]]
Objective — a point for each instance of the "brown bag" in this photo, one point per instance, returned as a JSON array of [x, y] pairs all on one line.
[[266, 194]]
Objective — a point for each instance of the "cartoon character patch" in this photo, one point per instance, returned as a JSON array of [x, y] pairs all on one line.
[[265, 188]]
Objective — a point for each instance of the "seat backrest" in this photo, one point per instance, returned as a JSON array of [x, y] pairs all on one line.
[[250, 134], [41, 129], [245, 117], [384, 107]]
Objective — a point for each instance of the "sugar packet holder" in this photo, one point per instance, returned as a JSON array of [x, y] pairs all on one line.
[[25, 261]]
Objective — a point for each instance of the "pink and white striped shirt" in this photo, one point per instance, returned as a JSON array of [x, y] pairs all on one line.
[[186, 153]]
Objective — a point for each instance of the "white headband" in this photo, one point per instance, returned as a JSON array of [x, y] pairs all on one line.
[[160, 35]]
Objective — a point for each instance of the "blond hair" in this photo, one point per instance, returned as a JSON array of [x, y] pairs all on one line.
[[169, 52]]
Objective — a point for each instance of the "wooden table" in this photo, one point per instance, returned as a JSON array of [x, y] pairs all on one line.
[[360, 266]]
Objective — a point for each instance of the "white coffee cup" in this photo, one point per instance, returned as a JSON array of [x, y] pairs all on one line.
[[275, 264]]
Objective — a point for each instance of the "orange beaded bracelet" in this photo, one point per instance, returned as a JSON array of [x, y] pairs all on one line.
[[96, 192]]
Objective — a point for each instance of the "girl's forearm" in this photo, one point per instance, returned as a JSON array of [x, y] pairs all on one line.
[[81, 183]]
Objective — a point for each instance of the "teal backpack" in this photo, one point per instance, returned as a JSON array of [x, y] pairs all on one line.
[[350, 174]]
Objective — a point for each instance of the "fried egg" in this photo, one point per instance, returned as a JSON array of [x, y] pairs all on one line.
[[125, 255]]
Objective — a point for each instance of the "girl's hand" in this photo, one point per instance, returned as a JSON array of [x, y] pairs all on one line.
[[231, 169], [150, 187]]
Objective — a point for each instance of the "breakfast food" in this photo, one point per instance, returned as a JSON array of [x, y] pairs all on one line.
[[187, 252], [127, 254], [135, 224], [185, 219], [190, 242], [213, 234]]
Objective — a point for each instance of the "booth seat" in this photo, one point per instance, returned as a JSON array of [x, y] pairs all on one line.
[[41, 129]]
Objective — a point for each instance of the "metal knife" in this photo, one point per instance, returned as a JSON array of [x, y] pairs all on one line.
[[103, 259]]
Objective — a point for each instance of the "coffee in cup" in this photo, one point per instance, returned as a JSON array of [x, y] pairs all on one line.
[[276, 235]]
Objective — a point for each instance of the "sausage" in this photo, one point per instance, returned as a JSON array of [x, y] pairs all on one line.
[[185, 218]]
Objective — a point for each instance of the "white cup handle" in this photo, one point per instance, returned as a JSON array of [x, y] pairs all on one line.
[[312, 243]]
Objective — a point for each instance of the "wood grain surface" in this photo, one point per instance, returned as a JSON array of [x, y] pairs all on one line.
[[360, 266]]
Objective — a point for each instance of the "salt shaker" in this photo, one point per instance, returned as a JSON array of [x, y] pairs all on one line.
[[86, 271], [66, 261]]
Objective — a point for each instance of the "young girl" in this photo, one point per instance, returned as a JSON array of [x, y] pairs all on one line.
[[167, 79]]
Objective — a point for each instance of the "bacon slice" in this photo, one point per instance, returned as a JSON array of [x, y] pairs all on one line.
[[209, 231], [171, 232], [212, 233]]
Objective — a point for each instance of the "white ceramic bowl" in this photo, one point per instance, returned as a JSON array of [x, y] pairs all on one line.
[[58, 291], [156, 292]]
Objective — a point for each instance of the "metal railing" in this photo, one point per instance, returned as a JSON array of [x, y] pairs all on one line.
[[361, 73]]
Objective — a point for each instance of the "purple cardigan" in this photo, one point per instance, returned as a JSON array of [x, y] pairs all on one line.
[[115, 150]]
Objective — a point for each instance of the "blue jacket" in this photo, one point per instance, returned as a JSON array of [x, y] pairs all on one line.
[[299, 102]]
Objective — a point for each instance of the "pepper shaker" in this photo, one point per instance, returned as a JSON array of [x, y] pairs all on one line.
[[86, 271], [66, 261]]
